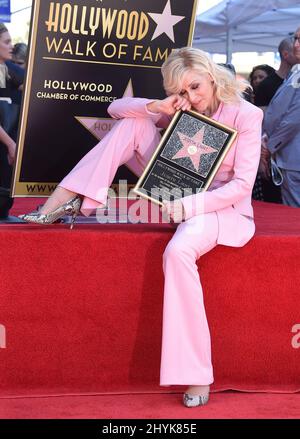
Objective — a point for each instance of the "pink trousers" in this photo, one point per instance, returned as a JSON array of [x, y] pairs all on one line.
[[186, 349]]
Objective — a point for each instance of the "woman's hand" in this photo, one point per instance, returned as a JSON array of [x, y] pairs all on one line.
[[10, 145], [174, 209], [265, 153], [169, 105], [264, 164], [11, 152], [264, 168], [264, 141]]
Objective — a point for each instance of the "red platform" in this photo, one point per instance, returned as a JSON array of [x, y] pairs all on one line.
[[82, 309]]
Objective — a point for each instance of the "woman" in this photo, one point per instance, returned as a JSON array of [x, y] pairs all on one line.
[[257, 75], [222, 215], [19, 54], [9, 114]]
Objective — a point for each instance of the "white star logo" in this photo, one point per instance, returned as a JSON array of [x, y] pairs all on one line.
[[99, 127], [165, 22]]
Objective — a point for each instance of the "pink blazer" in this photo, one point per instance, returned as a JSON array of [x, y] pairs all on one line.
[[230, 192]]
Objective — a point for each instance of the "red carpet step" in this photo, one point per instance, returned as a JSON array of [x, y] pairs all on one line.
[[223, 405], [81, 310]]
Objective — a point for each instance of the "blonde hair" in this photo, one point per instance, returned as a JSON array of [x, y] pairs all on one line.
[[228, 89]]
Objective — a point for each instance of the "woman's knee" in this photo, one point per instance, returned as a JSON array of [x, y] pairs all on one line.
[[186, 249], [137, 128], [177, 250], [137, 121], [146, 126]]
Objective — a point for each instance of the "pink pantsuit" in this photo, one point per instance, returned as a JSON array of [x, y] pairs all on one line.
[[222, 215]]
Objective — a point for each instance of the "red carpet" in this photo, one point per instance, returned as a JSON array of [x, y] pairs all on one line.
[[82, 308], [228, 405]]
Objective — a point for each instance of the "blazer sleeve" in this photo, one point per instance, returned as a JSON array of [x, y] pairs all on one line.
[[136, 107], [288, 126], [246, 160]]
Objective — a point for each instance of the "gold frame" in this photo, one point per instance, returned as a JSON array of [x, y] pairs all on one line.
[[231, 131]]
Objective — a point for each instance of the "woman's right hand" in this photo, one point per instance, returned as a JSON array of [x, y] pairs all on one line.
[[169, 105], [264, 168]]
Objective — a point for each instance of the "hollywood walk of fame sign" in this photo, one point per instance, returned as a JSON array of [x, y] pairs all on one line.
[[82, 56], [186, 159]]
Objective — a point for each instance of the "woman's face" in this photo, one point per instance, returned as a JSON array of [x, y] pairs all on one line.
[[6, 47], [257, 77], [198, 89], [18, 60]]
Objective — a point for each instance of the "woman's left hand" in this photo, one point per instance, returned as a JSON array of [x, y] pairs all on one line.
[[11, 152], [174, 209]]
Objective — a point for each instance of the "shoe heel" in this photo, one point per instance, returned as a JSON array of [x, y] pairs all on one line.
[[73, 220]]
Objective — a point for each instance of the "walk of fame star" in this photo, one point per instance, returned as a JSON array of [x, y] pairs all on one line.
[[99, 127], [165, 22], [193, 148]]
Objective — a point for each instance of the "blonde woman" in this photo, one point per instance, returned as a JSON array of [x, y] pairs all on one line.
[[222, 215]]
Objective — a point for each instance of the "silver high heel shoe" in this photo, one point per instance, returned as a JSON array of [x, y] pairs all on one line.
[[71, 207], [195, 400]]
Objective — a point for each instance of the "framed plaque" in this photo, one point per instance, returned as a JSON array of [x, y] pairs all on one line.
[[186, 159]]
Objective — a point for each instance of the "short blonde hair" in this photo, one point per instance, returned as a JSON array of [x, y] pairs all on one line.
[[228, 89]]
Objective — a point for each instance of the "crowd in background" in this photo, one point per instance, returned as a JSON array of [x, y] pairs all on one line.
[[276, 92], [12, 71]]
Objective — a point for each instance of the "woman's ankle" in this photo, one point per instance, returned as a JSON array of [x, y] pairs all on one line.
[[57, 199], [198, 390]]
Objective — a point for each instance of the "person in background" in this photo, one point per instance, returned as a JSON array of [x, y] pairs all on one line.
[[221, 215], [19, 54], [257, 75], [266, 89], [9, 115], [282, 131], [229, 66], [14, 84], [263, 96]]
